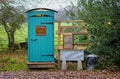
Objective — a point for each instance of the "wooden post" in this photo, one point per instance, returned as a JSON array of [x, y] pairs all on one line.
[[88, 39], [83, 24], [58, 45], [59, 59], [73, 40], [79, 65], [64, 67], [63, 40]]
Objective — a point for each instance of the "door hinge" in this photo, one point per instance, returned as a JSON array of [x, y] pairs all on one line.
[[47, 23], [48, 55]]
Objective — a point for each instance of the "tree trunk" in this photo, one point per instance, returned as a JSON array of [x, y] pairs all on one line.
[[10, 35], [11, 40]]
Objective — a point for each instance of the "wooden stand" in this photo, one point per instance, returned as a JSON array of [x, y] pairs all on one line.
[[74, 46]]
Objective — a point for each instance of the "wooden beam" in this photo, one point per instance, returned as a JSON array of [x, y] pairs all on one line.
[[71, 45], [73, 41], [41, 65], [58, 28], [81, 33], [59, 41], [57, 37], [66, 34], [59, 47], [63, 42], [88, 39], [80, 43], [71, 26], [83, 24], [81, 47], [59, 66], [70, 21], [84, 30]]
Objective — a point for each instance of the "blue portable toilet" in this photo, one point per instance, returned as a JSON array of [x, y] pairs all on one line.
[[41, 38]]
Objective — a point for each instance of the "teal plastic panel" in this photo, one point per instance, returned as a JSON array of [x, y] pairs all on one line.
[[41, 48]]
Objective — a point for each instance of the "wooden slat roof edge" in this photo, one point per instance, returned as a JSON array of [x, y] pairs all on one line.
[[40, 9]]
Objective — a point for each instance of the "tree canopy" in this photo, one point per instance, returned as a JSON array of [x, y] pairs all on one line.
[[11, 18]]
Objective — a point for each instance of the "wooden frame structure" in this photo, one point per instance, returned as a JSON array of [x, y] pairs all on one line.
[[62, 34]]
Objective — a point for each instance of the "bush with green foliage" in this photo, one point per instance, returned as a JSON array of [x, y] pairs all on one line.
[[103, 18]]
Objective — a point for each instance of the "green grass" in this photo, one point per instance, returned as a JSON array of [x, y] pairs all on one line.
[[16, 61]]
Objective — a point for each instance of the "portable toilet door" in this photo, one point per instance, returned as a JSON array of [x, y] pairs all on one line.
[[40, 38]]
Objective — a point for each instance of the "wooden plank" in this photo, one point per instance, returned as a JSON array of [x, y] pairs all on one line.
[[58, 27], [57, 37], [83, 24], [59, 41], [68, 41], [67, 29], [80, 43], [80, 33], [68, 48], [66, 34], [58, 45], [71, 55], [73, 41], [80, 47], [59, 66], [71, 26], [63, 42], [88, 39], [41, 65], [61, 48], [70, 21], [84, 30], [56, 32]]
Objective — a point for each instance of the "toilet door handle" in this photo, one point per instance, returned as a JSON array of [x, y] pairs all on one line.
[[33, 39]]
